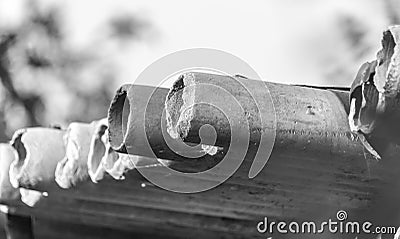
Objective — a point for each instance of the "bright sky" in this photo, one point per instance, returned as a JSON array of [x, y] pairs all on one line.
[[284, 41]]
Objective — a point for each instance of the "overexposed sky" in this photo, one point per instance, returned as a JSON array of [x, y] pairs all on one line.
[[300, 42]]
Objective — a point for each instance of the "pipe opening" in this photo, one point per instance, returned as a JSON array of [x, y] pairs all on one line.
[[16, 166], [118, 119], [97, 150], [19, 146]]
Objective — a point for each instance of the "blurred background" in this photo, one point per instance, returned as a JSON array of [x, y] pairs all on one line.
[[61, 61]]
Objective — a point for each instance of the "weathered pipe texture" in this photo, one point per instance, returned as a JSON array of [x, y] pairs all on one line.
[[314, 147], [39, 151], [316, 169], [126, 117], [103, 159], [308, 117], [135, 120], [74, 167], [374, 99]]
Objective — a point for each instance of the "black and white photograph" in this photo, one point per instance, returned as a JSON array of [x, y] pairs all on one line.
[[199, 119]]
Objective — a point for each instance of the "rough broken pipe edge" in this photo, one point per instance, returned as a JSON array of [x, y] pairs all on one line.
[[296, 108], [7, 192], [74, 166], [374, 97], [103, 159], [134, 120], [118, 132], [126, 125], [97, 151]]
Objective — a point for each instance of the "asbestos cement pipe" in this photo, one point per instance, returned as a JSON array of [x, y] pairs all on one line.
[[73, 168], [98, 150], [314, 146], [259, 117], [136, 125], [299, 116], [39, 150], [126, 117], [103, 159]]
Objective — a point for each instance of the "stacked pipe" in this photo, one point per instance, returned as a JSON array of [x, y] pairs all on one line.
[[38, 160], [312, 120], [317, 161]]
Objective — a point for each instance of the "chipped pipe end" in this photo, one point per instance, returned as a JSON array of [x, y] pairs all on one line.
[[117, 119], [374, 96], [178, 105]]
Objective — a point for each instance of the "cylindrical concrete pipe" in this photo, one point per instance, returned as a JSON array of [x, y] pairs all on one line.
[[73, 168], [137, 126], [39, 150], [315, 158]]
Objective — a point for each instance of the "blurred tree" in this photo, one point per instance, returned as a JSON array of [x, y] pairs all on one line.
[[355, 32], [126, 27], [28, 102], [46, 80], [350, 37]]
